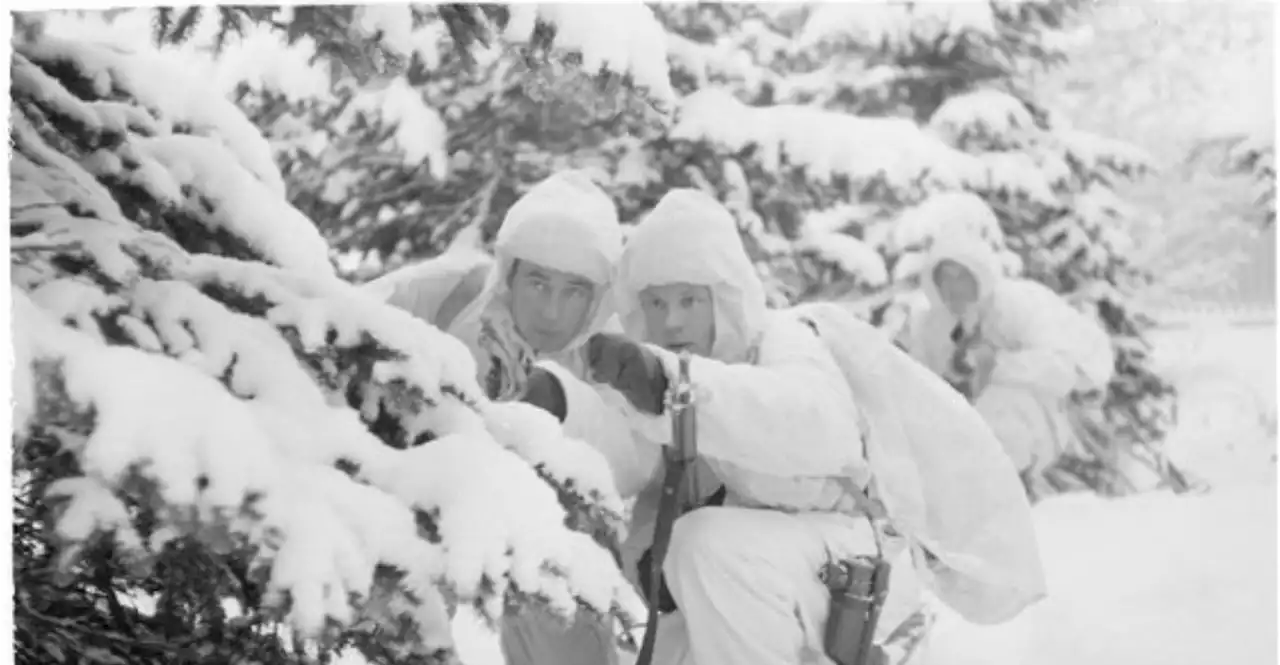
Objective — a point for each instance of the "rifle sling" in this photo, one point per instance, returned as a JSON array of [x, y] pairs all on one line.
[[668, 509], [461, 295]]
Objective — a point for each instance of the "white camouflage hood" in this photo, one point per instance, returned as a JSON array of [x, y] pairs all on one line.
[[975, 256], [690, 237], [566, 223]]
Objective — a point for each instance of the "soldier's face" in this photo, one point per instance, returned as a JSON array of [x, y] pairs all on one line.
[[680, 316], [550, 307], [956, 285]]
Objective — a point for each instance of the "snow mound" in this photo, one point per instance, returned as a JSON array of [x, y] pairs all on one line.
[[1152, 579]]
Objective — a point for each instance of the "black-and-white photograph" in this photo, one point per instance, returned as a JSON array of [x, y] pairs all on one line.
[[878, 332]]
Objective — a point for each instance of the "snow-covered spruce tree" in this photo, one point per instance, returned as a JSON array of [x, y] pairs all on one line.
[[222, 451], [393, 161], [514, 111], [391, 166], [846, 136], [810, 136]]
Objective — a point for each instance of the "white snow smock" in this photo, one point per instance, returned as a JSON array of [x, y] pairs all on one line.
[[941, 475], [776, 423], [564, 223], [1044, 350], [774, 411]]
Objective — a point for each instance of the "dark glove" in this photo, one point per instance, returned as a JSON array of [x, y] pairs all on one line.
[[644, 568], [629, 368], [544, 391]]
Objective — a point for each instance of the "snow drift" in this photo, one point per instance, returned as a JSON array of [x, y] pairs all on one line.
[[1152, 579]]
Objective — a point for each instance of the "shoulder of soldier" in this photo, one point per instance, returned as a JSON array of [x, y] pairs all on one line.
[[468, 287], [1027, 297], [789, 333], [438, 289], [1022, 287]]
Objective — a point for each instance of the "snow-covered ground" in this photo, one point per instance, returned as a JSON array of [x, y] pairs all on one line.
[[1226, 376], [1149, 580], [1158, 579]]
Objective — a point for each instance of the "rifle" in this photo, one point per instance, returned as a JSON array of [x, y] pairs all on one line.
[[676, 494], [962, 371]]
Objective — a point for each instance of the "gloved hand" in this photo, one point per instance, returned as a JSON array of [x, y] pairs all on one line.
[[544, 391], [644, 570], [629, 368]]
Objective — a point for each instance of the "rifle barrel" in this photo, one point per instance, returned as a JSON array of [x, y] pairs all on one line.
[[684, 424]]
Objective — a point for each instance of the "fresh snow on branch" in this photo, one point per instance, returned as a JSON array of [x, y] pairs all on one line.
[[619, 37], [912, 232], [227, 198], [179, 331], [1097, 153], [945, 213], [988, 118], [172, 93], [896, 25], [852, 256], [622, 38], [826, 143], [1016, 174], [420, 132]]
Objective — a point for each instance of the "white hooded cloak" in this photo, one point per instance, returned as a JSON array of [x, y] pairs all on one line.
[[776, 424], [1044, 348]]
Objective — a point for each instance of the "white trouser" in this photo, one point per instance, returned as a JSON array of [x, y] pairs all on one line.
[[535, 637], [746, 582]]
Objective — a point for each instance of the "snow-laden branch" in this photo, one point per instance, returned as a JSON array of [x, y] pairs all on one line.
[[826, 143], [852, 256], [945, 213], [1023, 157], [623, 39], [179, 331], [986, 120], [1102, 154], [618, 37], [161, 85], [896, 25]]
